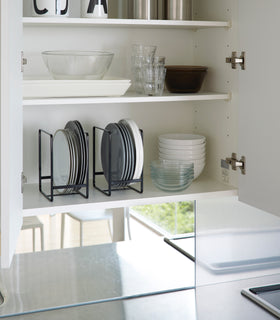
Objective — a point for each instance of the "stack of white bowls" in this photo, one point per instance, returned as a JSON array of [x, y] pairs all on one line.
[[183, 147]]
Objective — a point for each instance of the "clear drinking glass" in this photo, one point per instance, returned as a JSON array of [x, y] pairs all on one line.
[[159, 60], [143, 50], [141, 54], [153, 77]]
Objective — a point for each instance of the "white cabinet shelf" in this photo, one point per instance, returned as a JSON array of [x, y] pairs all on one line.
[[127, 23], [129, 97], [34, 203]]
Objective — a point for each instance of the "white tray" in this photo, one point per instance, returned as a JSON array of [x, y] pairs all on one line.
[[75, 88]]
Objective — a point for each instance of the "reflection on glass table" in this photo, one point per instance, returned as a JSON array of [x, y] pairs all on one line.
[[147, 222], [96, 215], [97, 273]]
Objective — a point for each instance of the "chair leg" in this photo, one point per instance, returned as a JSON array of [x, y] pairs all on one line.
[[127, 216], [62, 230], [42, 238], [110, 230], [33, 238], [81, 233]]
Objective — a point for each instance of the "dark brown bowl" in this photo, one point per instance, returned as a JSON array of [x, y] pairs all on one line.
[[184, 79]]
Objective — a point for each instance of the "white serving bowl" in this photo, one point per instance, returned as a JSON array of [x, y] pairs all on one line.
[[182, 139], [181, 157], [169, 146], [185, 153], [77, 65]]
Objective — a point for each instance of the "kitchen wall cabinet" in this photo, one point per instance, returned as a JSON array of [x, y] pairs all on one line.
[[11, 127], [214, 112]]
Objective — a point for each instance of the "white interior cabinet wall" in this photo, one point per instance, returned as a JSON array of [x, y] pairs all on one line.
[[214, 10]]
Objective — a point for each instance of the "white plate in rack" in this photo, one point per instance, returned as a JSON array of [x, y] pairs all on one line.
[[138, 143], [48, 88]]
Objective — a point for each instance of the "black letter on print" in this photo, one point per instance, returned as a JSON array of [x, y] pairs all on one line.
[[37, 10], [92, 4], [64, 11]]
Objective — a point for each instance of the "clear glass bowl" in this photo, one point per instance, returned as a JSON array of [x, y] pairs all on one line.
[[77, 65], [171, 175]]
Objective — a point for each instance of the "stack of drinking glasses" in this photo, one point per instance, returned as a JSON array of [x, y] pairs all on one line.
[[148, 70]]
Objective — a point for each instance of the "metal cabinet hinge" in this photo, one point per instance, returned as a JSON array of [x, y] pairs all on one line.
[[235, 60], [235, 163], [23, 61]]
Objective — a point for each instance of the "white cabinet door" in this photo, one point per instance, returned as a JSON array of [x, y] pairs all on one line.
[[259, 105], [11, 127]]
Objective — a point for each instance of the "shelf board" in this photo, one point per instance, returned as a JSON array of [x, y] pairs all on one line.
[[129, 97], [82, 22], [34, 203]]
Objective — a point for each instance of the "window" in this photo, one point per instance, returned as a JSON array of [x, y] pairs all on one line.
[[167, 218]]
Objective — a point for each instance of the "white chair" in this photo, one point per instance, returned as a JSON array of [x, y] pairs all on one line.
[[33, 223], [94, 215]]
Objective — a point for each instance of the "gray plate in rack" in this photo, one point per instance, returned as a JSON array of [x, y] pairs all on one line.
[[127, 154], [131, 148], [118, 153], [85, 152], [72, 126]]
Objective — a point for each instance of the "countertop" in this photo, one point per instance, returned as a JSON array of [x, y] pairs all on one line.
[[224, 300], [61, 278], [212, 302]]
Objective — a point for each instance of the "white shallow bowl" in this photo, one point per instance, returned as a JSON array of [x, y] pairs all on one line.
[[182, 139], [200, 158], [169, 146], [77, 65], [186, 153]]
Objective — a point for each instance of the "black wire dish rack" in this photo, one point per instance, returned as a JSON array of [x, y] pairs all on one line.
[[74, 188], [111, 184]]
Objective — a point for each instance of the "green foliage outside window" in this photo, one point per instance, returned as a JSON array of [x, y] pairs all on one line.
[[174, 220]]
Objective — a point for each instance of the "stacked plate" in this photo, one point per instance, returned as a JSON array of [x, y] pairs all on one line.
[[183, 147], [70, 155], [127, 152]]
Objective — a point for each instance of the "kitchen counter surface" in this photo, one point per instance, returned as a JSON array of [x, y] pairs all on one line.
[[54, 279], [148, 280], [169, 306], [224, 300], [212, 302]]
